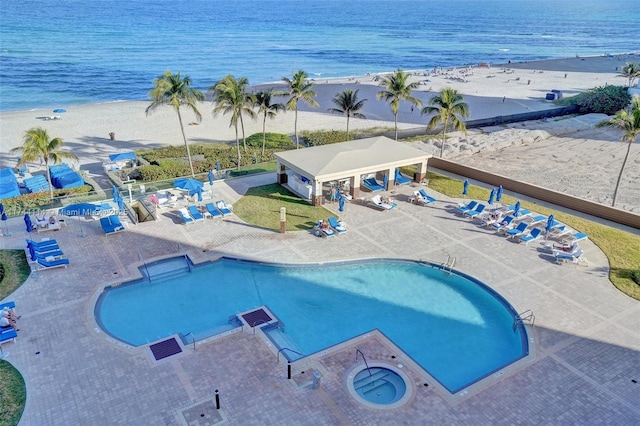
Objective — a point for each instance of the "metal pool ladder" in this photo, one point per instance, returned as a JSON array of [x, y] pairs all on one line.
[[522, 317], [448, 264]]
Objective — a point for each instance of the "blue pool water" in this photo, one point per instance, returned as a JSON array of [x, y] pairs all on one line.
[[457, 330]]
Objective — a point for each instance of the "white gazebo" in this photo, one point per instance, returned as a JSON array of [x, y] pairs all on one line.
[[304, 171]]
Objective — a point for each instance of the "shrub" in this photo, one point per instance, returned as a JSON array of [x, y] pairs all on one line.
[[604, 99], [323, 137], [635, 276], [273, 140]]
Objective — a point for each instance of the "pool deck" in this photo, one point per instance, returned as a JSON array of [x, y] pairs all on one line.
[[587, 333]]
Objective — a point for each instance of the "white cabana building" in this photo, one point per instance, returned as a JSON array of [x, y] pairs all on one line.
[[307, 171]]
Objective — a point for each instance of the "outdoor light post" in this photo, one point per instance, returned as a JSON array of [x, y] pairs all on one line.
[[283, 219]]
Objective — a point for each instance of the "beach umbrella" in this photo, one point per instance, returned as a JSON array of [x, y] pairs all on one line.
[[492, 196], [516, 209], [499, 194], [120, 203], [115, 193], [188, 184], [550, 223], [28, 223], [210, 177], [198, 192], [385, 181], [465, 188], [59, 110], [341, 203]]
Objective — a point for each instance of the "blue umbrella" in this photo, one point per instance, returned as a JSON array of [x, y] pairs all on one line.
[[385, 181], [59, 110], [188, 184], [516, 209], [492, 196], [28, 223], [198, 192], [1, 208], [499, 194], [341, 203], [211, 177], [550, 223], [120, 202], [116, 195], [465, 187]]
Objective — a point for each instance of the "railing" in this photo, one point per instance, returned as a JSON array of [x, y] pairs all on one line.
[[287, 349], [145, 267], [258, 322], [358, 351], [524, 316], [447, 265]]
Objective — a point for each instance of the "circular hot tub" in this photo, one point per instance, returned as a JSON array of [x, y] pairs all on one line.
[[379, 385]]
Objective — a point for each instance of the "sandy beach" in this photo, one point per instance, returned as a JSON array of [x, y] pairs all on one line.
[[568, 155]]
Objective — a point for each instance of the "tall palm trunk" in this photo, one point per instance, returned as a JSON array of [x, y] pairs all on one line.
[[295, 126], [244, 139], [395, 117], [186, 144], [444, 138], [347, 126], [238, 145], [615, 192], [264, 132], [46, 165]]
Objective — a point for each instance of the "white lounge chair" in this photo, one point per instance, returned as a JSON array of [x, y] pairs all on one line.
[[377, 203]]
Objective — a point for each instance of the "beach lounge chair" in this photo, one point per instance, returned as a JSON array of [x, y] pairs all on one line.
[[572, 238], [535, 220], [41, 244], [372, 185], [337, 226], [559, 231], [523, 213], [34, 256], [195, 214], [111, 224], [475, 212], [504, 225], [51, 264], [518, 231], [185, 216], [213, 211], [400, 179], [324, 230], [7, 334], [464, 207], [573, 257], [377, 203], [423, 198], [223, 207], [532, 236]]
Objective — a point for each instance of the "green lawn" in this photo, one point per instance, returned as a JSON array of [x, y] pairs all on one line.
[[261, 207], [621, 248]]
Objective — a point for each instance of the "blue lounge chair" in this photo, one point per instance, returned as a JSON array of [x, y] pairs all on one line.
[[184, 215], [43, 249], [222, 206], [573, 238], [195, 214], [51, 264], [337, 226], [573, 257], [475, 212], [401, 179], [536, 220], [7, 333], [425, 198], [372, 185], [517, 231], [213, 211], [10, 305], [324, 231], [34, 256], [111, 224], [463, 208], [532, 236], [522, 214], [41, 244], [503, 225]]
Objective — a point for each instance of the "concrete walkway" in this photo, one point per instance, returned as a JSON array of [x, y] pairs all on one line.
[[586, 336]]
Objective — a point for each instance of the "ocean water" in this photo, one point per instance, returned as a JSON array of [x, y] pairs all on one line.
[[56, 53]]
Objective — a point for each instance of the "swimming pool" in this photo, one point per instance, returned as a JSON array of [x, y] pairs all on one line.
[[453, 326]]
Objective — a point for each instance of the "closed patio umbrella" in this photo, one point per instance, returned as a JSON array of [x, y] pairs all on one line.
[[211, 177], [28, 223], [385, 181], [465, 188], [341, 203], [549, 226], [516, 209], [492, 196], [499, 194]]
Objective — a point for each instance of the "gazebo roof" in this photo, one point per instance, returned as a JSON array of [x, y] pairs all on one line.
[[338, 160]]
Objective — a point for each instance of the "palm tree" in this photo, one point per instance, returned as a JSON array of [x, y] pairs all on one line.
[[299, 89], [349, 105], [231, 97], [628, 122], [37, 145], [396, 89], [630, 71], [267, 109], [174, 90], [449, 108]]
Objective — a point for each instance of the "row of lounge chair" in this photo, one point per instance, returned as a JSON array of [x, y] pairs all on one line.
[[191, 214], [45, 254], [330, 228]]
